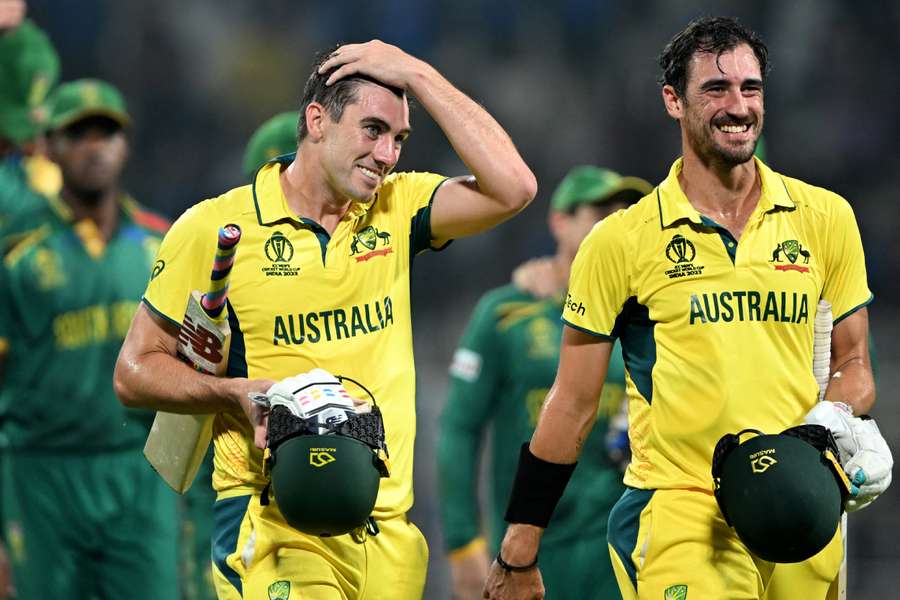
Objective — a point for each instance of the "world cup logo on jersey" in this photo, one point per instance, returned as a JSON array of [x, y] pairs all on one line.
[[680, 250], [279, 249]]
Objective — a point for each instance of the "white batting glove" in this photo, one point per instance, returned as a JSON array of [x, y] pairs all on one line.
[[865, 455], [306, 393]]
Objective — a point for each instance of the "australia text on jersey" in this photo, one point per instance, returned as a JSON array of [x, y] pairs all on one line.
[[333, 324]]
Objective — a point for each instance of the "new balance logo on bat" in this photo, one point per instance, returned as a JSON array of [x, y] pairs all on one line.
[[202, 341]]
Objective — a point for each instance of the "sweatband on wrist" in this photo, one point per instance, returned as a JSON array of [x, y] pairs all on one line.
[[537, 489]]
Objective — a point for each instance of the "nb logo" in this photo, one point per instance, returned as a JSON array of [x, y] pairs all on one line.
[[202, 341], [762, 463], [320, 458]]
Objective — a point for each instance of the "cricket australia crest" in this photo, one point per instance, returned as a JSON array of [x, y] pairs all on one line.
[[369, 238], [791, 250]]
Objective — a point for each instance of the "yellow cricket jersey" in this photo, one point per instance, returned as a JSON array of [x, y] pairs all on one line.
[[717, 335], [301, 299]]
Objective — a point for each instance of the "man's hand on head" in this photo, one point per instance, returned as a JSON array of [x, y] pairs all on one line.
[[382, 62]]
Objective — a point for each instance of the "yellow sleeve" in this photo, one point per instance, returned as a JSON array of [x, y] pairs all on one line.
[[846, 286], [413, 193], [599, 280], [183, 263]]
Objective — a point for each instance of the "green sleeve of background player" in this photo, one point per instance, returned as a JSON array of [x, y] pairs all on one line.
[[474, 382]]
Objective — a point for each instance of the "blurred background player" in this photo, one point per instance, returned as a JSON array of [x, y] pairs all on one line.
[[275, 137], [500, 375], [29, 68], [94, 517]]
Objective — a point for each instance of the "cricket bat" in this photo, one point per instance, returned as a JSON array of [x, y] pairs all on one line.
[[177, 444], [822, 371]]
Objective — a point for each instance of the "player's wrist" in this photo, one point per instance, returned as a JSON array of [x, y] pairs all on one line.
[[515, 568]]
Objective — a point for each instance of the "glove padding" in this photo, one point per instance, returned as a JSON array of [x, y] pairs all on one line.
[[865, 455], [316, 393]]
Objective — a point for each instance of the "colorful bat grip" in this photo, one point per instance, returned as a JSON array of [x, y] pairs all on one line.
[[213, 301]]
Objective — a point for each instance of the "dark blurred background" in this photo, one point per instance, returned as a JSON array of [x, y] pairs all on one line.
[[573, 81]]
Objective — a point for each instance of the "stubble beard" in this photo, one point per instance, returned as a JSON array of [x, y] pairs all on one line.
[[702, 139]]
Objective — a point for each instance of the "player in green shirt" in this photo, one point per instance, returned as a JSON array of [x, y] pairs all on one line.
[[29, 67], [500, 375], [93, 518]]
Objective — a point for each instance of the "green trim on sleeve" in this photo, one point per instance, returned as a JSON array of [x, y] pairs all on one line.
[[854, 309], [237, 350], [155, 310], [603, 336], [420, 227]]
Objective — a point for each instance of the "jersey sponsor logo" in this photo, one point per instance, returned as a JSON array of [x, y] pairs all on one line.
[[201, 340], [369, 237], [682, 252], [157, 269], [333, 324], [279, 250], [280, 590], [97, 324], [466, 364], [48, 270], [319, 457], [575, 308], [791, 250], [676, 592], [544, 339], [762, 460], [751, 305]]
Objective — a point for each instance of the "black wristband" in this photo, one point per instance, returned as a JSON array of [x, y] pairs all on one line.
[[537, 489], [513, 568]]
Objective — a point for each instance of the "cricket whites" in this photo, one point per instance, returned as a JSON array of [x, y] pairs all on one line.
[[177, 443]]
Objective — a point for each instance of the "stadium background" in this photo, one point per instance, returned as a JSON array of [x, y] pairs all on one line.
[[573, 81]]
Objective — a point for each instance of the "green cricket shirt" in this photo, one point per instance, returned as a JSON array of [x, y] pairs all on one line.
[[66, 302], [501, 373]]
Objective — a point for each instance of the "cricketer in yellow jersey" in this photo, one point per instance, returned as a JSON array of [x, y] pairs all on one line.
[[711, 284], [321, 279]]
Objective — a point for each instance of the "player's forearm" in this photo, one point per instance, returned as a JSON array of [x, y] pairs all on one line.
[[564, 412], [852, 384], [478, 139], [520, 544], [158, 381]]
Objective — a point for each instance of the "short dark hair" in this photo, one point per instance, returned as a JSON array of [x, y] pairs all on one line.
[[714, 35], [334, 97]]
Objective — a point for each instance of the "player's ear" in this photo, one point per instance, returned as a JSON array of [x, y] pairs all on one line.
[[557, 222], [316, 119], [673, 102]]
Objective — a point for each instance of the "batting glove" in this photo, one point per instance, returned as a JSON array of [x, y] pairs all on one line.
[[865, 455], [305, 393]]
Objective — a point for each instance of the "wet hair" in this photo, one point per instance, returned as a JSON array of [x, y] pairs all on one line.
[[335, 97], [713, 35]]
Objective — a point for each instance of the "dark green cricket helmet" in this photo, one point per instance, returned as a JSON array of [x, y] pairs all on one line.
[[783, 494], [326, 484]]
